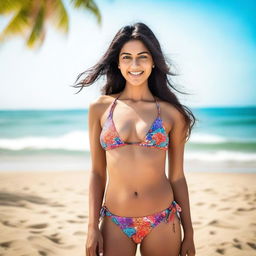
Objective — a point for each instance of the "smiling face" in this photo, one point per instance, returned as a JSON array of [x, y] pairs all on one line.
[[135, 62]]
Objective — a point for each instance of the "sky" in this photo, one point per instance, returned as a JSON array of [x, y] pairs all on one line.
[[211, 43]]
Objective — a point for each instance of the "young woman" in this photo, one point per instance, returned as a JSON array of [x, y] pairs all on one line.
[[132, 126]]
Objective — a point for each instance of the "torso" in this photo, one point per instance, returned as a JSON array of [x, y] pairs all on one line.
[[137, 183]]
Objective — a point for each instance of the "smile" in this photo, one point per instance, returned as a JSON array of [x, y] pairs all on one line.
[[136, 73]]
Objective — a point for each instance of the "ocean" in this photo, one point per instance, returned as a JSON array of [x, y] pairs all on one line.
[[58, 139]]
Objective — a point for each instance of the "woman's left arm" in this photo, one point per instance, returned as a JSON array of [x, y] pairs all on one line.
[[177, 178]]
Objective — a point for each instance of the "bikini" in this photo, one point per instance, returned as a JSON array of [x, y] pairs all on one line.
[[156, 136], [137, 228]]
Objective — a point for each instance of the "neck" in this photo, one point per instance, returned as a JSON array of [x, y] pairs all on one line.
[[136, 94]]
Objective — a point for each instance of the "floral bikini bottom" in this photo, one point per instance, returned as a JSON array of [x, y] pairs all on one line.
[[138, 228]]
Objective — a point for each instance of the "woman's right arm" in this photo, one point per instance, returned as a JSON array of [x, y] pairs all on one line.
[[97, 177]]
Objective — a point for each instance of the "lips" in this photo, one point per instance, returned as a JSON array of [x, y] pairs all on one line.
[[136, 74]]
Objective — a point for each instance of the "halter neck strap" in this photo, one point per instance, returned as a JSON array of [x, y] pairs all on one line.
[[158, 106]]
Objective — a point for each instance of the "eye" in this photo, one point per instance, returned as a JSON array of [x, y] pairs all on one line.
[[143, 56], [126, 57]]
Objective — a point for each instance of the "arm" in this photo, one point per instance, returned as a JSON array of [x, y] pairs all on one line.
[[97, 180], [175, 172]]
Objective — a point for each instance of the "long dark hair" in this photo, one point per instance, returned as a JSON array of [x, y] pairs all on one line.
[[158, 82]]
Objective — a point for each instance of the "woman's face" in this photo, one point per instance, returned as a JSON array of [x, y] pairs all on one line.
[[135, 57]]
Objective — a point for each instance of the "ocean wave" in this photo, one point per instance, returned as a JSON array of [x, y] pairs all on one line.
[[220, 156], [205, 138], [75, 140], [78, 140]]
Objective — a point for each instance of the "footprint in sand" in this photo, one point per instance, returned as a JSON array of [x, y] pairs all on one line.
[[38, 226], [212, 232], [8, 224], [247, 196], [6, 244], [252, 245], [245, 210], [220, 251], [197, 222], [56, 204], [18, 199], [43, 253], [82, 216], [75, 221], [35, 231], [200, 203], [209, 190], [222, 224], [79, 233], [239, 246], [54, 239]]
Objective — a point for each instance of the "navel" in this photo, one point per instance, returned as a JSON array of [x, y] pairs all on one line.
[[136, 193]]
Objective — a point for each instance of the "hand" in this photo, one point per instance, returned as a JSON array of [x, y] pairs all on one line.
[[94, 243], [187, 247]]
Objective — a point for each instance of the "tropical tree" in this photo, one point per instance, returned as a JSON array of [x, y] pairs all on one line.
[[30, 17]]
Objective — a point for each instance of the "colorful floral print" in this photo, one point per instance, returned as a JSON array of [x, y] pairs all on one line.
[[156, 136], [138, 227]]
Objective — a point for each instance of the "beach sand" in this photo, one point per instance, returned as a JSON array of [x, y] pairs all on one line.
[[46, 213]]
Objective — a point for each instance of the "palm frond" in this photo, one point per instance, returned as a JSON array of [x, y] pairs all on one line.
[[30, 16], [88, 5], [17, 26], [9, 6], [58, 14], [35, 35]]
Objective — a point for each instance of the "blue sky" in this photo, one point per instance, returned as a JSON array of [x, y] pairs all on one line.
[[212, 43]]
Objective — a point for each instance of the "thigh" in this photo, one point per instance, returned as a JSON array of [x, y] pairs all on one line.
[[115, 241], [162, 240]]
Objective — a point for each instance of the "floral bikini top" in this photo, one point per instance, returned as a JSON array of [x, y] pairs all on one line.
[[156, 136]]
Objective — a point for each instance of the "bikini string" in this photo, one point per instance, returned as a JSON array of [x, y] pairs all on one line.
[[102, 212], [171, 210]]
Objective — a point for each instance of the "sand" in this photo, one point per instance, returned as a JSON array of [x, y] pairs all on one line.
[[46, 213]]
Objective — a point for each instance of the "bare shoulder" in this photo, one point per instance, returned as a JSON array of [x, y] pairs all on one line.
[[100, 104]]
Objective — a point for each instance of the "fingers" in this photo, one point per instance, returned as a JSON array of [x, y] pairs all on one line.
[[100, 247], [91, 250]]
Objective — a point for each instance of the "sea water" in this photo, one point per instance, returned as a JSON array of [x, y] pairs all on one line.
[[59, 139]]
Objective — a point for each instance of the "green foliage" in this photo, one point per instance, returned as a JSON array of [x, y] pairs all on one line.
[[29, 18]]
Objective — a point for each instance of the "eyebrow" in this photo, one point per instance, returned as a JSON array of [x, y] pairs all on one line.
[[130, 53]]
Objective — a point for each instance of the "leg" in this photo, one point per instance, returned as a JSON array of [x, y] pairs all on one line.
[[162, 240], [115, 242]]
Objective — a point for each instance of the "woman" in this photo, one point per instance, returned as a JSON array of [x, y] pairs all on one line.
[[131, 127]]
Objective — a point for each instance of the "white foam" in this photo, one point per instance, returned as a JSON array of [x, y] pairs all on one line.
[[76, 140], [206, 138], [220, 155]]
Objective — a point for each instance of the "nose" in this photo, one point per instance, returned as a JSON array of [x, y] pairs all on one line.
[[134, 63]]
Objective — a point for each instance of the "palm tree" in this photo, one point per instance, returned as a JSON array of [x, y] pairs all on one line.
[[30, 17]]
